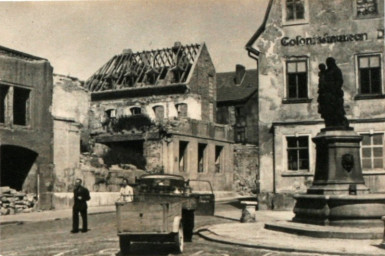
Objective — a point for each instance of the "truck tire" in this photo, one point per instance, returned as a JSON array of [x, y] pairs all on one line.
[[124, 243], [188, 224], [179, 239]]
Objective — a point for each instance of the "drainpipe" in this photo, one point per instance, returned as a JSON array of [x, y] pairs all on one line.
[[38, 184]]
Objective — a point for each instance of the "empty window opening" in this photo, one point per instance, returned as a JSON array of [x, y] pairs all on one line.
[[370, 74], [125, 153], [182, 109], [159, 112], [3, 102], [136, 111], [218, 158], [183, 152], [296, 73], [111, 113], [298, 153], [240, 134], [372, 151], [20, 106], [202, 157]]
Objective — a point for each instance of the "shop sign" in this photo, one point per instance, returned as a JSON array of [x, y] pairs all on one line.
[[325, 39]]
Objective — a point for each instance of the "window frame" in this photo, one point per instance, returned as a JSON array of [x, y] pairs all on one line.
[[288, 99], [358, 76], [379, 14], [285, 159], [368, 170], [219, 159], [185, 156], [286, 22], [204, 158]]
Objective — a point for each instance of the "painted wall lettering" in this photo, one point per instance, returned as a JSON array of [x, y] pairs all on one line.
[[325, 39]]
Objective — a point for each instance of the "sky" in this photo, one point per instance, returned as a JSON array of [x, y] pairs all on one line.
[[78, 37]]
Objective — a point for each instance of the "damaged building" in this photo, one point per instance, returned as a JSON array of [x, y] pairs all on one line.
[[26, 125], [156, 110]]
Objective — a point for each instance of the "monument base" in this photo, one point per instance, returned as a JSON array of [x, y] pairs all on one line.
[[340, 210]]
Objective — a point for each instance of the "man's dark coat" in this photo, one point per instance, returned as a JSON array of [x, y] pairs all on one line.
[[81, 205]]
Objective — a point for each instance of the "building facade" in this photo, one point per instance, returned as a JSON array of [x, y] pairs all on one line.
[[26, 125], [156, 110], [295, 38]]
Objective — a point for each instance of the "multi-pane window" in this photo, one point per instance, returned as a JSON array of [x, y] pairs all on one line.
[[297, 153], [369, 68], [183, 146], [296, 73], [218, 158], [372, 151], [20, 106], [202, 157], [3, 102], [366, 7], [295, 10]]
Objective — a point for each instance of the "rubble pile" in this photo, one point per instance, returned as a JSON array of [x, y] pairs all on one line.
[[12, 201]]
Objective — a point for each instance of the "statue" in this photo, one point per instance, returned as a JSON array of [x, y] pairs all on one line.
[[331, 96]]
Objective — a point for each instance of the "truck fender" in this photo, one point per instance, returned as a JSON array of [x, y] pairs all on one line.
[[176, 223]]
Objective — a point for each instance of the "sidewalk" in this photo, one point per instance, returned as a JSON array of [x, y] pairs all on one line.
[[256, 236]]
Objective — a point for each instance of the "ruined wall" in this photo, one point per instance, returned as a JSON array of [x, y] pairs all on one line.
[[312, 40], [246, 174], [203, 82], [36, 76]]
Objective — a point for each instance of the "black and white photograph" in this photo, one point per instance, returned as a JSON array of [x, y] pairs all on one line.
[[192, 127]]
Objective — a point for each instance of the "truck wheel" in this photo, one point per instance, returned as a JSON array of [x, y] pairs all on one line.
[[124, 243], [179, 239]]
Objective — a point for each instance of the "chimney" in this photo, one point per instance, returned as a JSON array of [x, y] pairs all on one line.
[[127, 51], [239, 73]]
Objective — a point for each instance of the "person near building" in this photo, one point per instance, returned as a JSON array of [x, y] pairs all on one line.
[[126, 192], [81, 196]]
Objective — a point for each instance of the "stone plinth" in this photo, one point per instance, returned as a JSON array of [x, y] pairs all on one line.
[[338, 165], [248, 211]]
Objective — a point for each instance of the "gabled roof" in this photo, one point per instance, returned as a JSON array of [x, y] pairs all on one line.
[[228, 90], [13, 53], [249, 45], [145, 69]]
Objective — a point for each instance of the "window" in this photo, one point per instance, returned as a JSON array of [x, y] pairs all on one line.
[[240, 134], [183, 146], [369, 74], [136, 111], [202, 157], [3, 102], [111, 113], [159, 112], [366, 8], [296, 79], [372, 151], [297, 153], [295, 12], [182, 109], [20, 106], [218, 158]]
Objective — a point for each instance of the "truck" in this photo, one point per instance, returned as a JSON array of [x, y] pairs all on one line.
[[163, 210]]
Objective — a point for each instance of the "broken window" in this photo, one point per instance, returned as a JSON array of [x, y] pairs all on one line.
[[218, 158], [296, 73], [183, 146], [298, 153], [182, 109], [372, 151], [20, 106], [370, 74], [202, 157], [3, 102], [159, 112], [136, 111]]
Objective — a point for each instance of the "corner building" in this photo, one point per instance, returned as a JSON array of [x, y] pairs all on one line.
[[294, 38]]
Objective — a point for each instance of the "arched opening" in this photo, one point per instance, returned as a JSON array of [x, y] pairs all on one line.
[[16, 162]]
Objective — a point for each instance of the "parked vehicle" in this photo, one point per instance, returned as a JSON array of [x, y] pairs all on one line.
[[162, 210]]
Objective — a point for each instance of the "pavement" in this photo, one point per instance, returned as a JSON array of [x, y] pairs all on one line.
[[252, 235]]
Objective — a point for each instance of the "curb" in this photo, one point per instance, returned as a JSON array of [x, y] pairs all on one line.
[[207, 234]]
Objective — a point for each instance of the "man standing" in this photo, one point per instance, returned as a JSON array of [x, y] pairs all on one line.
[[81, 196]]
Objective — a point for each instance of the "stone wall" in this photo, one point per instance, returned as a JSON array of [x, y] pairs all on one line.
[[246, 175]]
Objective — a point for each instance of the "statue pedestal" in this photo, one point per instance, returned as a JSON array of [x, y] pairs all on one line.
[[338, 195]]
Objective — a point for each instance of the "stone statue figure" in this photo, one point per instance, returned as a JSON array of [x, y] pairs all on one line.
[[331, 96]]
